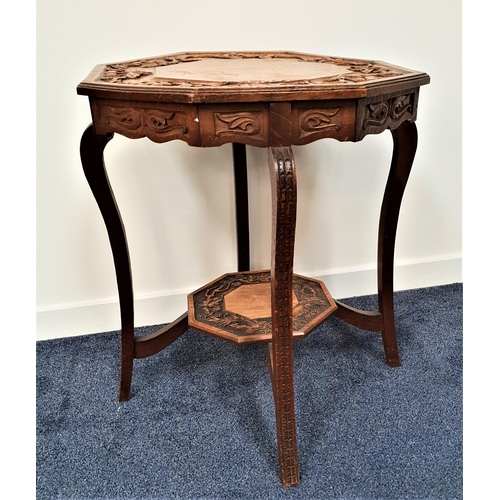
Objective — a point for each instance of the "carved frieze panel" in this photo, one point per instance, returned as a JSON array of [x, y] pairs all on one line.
[[243, 123], [334, 119], [134, 120], [385, 112]]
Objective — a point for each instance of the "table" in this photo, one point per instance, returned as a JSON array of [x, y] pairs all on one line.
[[263, 99]]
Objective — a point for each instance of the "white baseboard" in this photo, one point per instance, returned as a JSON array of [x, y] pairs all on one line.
[[95, 318], [407, 276]]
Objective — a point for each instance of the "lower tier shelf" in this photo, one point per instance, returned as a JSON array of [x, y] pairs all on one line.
[[237, 307]]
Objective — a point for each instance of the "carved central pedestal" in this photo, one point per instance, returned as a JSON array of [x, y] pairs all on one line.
[[237, 307]]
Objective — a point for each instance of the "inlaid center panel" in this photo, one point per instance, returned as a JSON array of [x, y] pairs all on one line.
[[252, 301], [249, 70]]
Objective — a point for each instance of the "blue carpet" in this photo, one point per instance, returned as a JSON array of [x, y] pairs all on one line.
[[200, 421]]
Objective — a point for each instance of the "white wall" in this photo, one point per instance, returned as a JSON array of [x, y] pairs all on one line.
[[177, 201]]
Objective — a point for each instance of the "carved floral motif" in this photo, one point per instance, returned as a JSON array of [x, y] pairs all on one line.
[[115, 73]]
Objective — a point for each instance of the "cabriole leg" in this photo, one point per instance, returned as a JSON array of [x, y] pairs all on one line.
[[405, 146], [92, 157]]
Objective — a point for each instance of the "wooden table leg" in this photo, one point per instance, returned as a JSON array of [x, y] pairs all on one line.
[[284, 196], [91, 153], [241, 192], [405, 146]]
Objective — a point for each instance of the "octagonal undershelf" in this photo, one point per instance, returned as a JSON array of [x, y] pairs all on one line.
[[237, 307]]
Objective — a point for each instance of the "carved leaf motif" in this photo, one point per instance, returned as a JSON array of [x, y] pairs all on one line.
[[378, 113], [118, 74], [400, 106], [369, 68], [243, 123], [154, 123], [389, 113], [159, 122], [128, 118], [318, 120]]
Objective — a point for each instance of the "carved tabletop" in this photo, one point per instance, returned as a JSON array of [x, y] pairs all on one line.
[[264, 99]]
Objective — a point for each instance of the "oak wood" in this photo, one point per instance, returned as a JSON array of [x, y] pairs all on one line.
[[385, 111], [405, 146], [270, 360], [366, 320], [91, 153], [246, 123], [155, 342], [325, 119], [253, 301], [241, 205], [237, 307], [344, 78], [256, 124], [263, 99], [159, 122], [280, 124], [284, 205]]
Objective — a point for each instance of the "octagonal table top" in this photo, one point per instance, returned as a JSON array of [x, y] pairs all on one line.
[[195, 77]]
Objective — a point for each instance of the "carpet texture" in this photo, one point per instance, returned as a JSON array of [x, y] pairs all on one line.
[[200, 421]]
